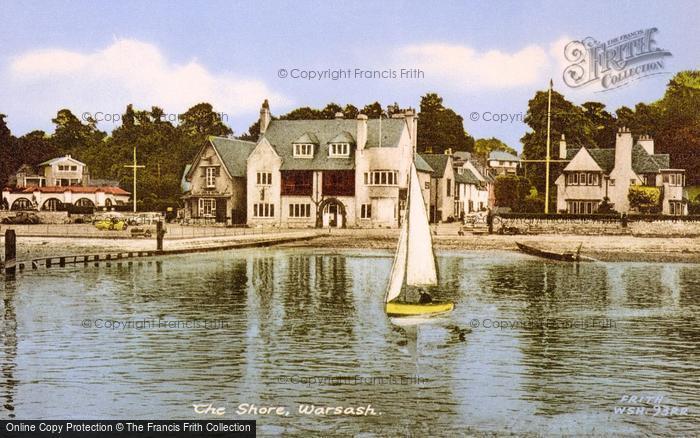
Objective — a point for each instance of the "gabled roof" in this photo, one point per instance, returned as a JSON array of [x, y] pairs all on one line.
[[307, 137], [63, 158], [343, 137], [234, 153], [185, 185], [281, 134], [438, 162], [642, 161], [502, 156], [422, 166], [466, 177]]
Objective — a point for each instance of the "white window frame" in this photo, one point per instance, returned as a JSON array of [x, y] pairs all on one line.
[[263, 210], [207, 204], [339, 150], [303, 150], [382, 178], [210, 176], [300, 210], [366, 211], [264, 178]]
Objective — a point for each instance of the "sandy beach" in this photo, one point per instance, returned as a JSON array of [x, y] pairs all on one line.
[[604, 248]]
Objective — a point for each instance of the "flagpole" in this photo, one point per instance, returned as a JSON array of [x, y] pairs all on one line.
[[135, 173], [547, 159]]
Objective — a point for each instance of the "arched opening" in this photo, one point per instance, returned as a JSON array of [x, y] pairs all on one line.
[[108, 202], [331, 213], [84, 202], [52, 204], [21, 204]]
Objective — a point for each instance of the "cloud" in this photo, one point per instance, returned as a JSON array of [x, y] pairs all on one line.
[[127, 71], [465, 68]]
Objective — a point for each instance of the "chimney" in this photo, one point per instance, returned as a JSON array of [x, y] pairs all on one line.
[[623, 150], [647, 143], [264, 117], [361, 131], [412, 124], [562, 148], [448, 151], [339, 115]]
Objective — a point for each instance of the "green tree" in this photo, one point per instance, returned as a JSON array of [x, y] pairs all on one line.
[[603, 124], [201, 121], [512, 191], [567, 118], [8, 153], [484, 146], [440, 128], [373, 110], [644, 199]]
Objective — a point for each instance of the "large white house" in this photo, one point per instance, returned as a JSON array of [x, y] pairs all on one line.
[[59, 182], [593, 174], [306, 173]]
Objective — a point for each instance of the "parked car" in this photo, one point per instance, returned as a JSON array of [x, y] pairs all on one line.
[[22, 217], [111, 224]]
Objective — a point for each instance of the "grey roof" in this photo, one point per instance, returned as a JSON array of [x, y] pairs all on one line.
[[466, 177], [307, 137], [185, 185], [234, 153], [422, 166], [502, 156], [283, 133], [438, 162], [642, 161]]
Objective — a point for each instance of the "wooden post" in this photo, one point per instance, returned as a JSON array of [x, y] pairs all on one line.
[[10, 253], [159, 236]]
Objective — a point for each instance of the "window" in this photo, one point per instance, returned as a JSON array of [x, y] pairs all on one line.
[[582, 179], [339, 149], [263, 210], [583, 207], [299, 210], [264, 178], [207, 207], [673, 179], [305, 150], [74, 168], [211, 176], [366, 211], [381, 178], [449, 187], [675, 208]]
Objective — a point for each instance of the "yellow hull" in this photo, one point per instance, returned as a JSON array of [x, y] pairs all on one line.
[[404, 309]]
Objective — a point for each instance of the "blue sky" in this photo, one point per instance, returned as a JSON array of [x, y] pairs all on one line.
[[485, 57]]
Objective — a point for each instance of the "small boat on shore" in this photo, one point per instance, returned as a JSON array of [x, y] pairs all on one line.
[[564, 256]]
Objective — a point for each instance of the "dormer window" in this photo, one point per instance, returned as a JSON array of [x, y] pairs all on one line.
[[304, 150], [339, 150]]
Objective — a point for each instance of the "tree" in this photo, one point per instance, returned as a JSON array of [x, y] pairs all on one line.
[[200, 121], [441, 128], [644, 199], [603, 124], [484, 146], [373, 110], [566, 118], [511, 191], [8, 153], [72, 136]]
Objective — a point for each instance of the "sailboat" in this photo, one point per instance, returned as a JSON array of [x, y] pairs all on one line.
[[414, 263]]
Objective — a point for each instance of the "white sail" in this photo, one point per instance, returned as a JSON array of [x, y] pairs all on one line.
[[398, 269], [420, 259]]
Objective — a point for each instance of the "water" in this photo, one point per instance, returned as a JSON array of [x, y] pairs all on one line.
[[291, 327]]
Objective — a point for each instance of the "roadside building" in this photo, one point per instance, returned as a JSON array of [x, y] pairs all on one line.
[[594, 174], [503, 163], [57, 184], [307, 173], [442, 186]]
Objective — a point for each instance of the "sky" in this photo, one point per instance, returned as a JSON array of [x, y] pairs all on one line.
[[484, 58]]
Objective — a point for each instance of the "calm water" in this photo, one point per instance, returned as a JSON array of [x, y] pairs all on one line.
[[290, 316]]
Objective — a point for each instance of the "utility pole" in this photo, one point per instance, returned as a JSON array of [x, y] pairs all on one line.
[[548, 158], [134, 166]]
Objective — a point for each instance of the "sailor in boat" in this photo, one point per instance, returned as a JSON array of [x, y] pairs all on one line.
[[425, 297]]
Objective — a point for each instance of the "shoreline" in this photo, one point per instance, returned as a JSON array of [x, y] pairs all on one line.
[[603, 248]]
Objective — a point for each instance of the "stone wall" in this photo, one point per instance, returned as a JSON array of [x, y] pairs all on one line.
[[641, 228]]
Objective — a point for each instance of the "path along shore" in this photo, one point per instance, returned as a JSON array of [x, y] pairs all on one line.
[[604, 248]]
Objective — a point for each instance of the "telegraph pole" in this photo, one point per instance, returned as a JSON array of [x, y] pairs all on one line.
[[134, 166]]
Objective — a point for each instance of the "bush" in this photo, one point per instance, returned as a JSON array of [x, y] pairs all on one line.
[[645, 199]]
